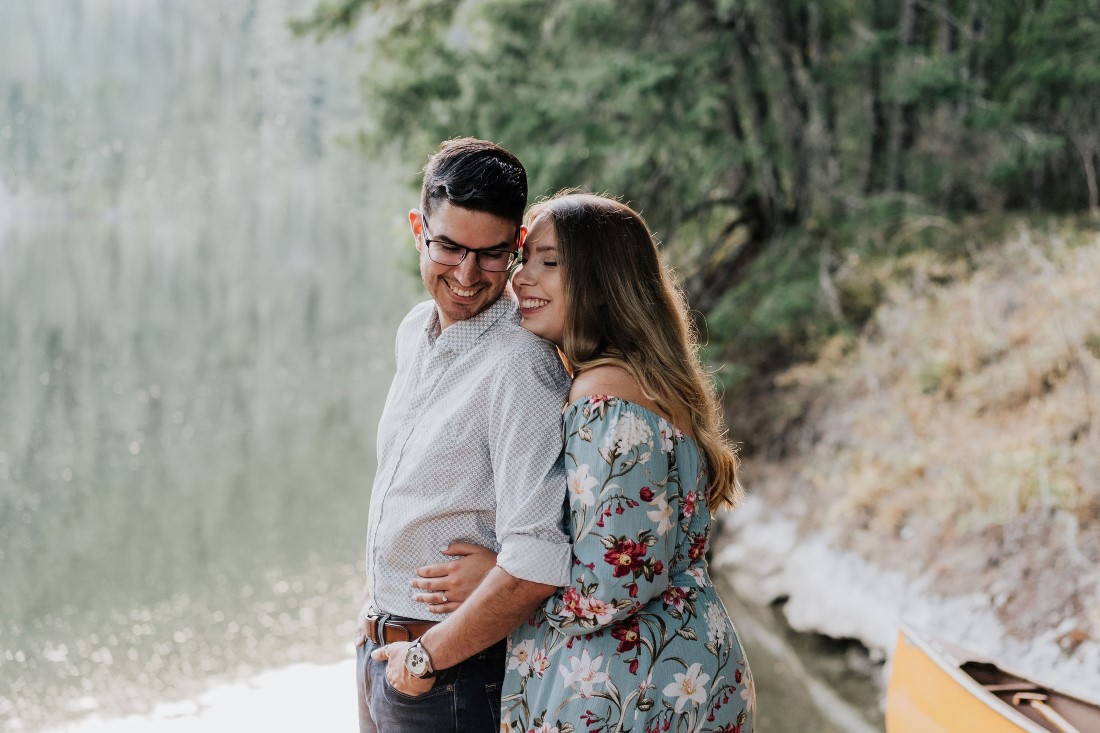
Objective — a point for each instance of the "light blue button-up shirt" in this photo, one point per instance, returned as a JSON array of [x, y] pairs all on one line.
[[469, 449]]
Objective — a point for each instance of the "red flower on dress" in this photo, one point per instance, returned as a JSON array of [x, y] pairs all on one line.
[[574, 603], [626, 557], [646, 493], [689, 504], [627, 633], [674, 597], [698, 547]]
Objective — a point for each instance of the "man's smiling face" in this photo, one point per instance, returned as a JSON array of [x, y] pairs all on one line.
[[461, 291]]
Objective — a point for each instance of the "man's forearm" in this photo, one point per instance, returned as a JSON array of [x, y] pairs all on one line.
[[500, 604]]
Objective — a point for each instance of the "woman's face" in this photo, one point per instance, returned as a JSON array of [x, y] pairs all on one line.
[[538, 284]]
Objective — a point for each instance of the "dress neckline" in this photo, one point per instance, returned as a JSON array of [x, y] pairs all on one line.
[[574, 403]]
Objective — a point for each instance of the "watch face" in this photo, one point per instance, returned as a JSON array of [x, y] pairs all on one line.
[[417, 660]]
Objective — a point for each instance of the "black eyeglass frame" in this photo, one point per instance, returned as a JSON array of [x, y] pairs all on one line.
[[509, 263]]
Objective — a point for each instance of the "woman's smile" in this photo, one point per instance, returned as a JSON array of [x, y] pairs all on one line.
[[538, 284]]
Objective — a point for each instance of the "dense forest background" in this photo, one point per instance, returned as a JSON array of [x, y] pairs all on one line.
[[885, 215], [782, 151]]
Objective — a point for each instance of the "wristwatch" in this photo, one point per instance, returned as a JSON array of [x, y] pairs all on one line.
[[418, 662]]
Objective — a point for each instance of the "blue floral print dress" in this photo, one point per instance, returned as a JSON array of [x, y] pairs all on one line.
[[639, 640]]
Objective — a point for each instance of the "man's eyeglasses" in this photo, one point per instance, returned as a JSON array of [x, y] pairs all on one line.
[[491, 259]]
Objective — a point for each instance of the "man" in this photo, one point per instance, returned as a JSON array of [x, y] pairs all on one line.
[[468, 449]]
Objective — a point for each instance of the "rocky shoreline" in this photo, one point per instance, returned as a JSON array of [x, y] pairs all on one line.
[[767, 557]]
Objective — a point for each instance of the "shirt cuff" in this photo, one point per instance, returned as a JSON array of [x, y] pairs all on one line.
[[539, 561]]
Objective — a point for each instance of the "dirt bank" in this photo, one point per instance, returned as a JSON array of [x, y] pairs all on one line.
[[943, 465]]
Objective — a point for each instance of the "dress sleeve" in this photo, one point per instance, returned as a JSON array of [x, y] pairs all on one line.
[[624, 502]]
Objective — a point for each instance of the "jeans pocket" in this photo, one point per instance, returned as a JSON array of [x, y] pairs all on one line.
[[439, 689]]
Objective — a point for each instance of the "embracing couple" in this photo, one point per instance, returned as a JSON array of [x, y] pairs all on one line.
[[577, 596]]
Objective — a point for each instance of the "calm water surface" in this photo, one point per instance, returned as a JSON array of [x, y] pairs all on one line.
[[199, 284]]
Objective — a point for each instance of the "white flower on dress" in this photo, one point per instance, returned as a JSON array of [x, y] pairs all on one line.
[[748, 692], [667, 433], [599, 610], [521, 657], [540, 663], [585, 673], [662, 515], [626, 432], [689, 685], [716, 623], [700, 577], [581, 483]]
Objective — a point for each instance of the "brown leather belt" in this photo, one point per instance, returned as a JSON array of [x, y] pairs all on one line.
[[382, 628]]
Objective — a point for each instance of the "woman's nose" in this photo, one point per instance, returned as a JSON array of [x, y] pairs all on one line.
[[522, 275]]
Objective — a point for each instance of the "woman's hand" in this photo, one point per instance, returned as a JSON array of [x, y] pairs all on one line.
[[444, 586]]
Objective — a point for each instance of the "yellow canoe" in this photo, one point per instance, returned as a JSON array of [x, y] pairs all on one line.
[[937, 687]]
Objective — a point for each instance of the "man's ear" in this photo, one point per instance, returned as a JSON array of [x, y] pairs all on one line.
[[416, 223]]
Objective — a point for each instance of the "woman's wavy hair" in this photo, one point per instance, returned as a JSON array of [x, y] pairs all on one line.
[[624, 308]]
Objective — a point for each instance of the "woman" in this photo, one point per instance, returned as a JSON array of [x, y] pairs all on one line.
[[639, 640]]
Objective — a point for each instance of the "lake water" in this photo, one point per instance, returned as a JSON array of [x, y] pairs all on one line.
[[199, 283]]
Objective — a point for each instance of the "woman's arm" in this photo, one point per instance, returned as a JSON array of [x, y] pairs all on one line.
[[625, 506]]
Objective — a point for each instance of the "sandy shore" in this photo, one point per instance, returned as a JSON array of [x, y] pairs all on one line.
[[300, 697]]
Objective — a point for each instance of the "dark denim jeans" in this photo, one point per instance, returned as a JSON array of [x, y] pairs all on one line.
[[464, 699]]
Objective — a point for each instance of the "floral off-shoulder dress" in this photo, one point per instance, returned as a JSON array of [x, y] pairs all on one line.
[[639, 641]]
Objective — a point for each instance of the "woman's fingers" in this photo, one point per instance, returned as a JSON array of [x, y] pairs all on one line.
[[464, 548], [438, 570], [429, 584], [439, 598], [443, 607]]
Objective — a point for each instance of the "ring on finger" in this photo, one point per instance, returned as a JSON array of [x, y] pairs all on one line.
[[443, 594]]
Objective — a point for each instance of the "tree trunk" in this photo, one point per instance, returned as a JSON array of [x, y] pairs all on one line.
[[1087, 151], [876, 154], [901, 118]]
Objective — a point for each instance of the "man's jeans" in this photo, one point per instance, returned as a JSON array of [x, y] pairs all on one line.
[[464, 699]]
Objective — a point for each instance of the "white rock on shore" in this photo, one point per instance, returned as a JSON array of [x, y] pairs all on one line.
[[842, 595]]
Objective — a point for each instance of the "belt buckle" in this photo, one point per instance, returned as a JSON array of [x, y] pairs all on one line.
[[375, 629]]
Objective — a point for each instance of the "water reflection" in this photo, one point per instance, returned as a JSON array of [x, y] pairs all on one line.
[[805, 681], [198, 290]]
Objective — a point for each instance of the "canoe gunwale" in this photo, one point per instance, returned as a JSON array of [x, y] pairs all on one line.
[[944, 659]]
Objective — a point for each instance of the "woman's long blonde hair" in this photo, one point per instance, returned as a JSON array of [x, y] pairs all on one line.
[[623, 308]]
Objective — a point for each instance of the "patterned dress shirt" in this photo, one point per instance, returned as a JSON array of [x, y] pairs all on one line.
[[469, 449]]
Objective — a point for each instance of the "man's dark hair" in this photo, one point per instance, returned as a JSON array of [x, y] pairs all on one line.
[[477, 175]]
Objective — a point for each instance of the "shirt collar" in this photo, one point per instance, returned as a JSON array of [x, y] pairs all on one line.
[[463, 335]]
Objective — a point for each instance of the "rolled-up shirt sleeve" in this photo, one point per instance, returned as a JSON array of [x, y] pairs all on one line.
[[525, 448]]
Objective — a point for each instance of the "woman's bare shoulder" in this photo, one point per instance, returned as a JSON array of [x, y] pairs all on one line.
[[611, 380]]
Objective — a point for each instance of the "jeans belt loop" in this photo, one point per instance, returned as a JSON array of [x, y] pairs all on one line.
[[380, 628]]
